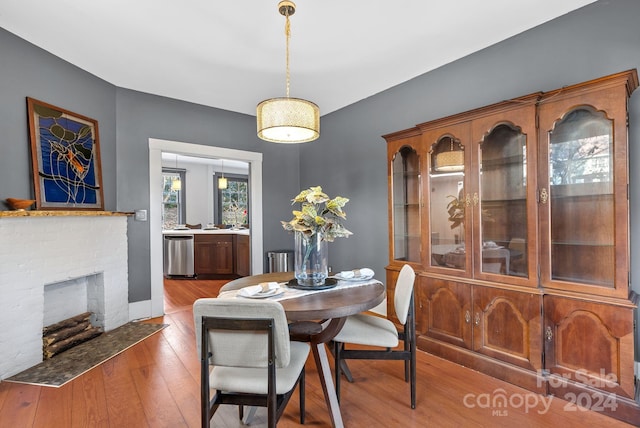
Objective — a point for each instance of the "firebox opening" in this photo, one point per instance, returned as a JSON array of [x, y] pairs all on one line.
[[74, 296]]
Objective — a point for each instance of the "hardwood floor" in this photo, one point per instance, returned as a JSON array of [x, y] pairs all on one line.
[[155, 384]]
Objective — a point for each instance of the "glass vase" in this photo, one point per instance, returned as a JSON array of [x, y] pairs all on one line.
[[311, 260]]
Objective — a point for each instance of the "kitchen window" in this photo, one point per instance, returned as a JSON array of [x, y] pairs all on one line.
[[173, 206], [233, 202]]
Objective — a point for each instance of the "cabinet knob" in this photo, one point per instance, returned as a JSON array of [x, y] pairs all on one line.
[[548, 334], [468, 200], [476, 199], [467, 316], [477, 320]]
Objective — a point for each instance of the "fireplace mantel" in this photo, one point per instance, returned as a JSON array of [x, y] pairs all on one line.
[[61, 213]]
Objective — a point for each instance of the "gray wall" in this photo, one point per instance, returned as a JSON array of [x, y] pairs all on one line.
[[141, 116], [349, 159], [28, 71]]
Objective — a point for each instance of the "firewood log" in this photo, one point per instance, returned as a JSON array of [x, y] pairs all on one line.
[[65, 333], [63, 345], [69, 322]]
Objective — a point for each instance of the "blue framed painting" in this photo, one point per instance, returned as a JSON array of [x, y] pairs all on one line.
[[65, 154]]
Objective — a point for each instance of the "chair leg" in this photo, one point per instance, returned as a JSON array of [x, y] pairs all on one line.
[[413, 373], [345, 370], [272, 417], [343, 363], [337, 363], [406, 362], [205, 399], [250, 415], [301, 386]]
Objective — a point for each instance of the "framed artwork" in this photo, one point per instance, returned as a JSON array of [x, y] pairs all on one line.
[[65, 154]]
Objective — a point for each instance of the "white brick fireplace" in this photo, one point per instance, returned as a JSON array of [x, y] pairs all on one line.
[[83, 255]]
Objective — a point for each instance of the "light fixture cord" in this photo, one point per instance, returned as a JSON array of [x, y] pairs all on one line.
[[287, 33]]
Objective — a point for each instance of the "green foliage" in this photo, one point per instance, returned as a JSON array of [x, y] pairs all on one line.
[[318, 213]]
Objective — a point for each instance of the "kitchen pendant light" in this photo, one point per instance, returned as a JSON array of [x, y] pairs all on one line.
[[222, 182], [176, 183], [288, 120]]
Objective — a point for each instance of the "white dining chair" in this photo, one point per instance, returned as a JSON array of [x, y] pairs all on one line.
[[378, 332], [253, 360]]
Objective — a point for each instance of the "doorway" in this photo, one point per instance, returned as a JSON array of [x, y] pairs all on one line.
[[156, 148], [198, 198]]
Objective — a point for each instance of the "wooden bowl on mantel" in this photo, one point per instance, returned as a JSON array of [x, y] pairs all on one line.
[[19, 204]]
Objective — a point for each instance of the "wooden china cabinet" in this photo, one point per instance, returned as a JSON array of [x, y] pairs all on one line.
[[515, 217]]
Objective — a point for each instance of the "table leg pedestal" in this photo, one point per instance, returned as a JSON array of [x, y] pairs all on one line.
[[318, 334], [326, 380]]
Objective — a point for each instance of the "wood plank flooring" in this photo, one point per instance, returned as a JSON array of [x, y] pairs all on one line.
[[155, 384]]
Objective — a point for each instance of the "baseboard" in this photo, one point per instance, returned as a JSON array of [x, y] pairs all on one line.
[[578, 396], [526, 378], [140, 310]]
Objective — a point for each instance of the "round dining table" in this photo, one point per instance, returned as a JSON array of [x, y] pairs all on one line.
[[316, 318]]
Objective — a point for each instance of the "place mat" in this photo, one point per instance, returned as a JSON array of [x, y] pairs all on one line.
[[68, 365], [328, 283]]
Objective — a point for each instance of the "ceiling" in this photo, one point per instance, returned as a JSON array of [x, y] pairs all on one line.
[[231, 54]]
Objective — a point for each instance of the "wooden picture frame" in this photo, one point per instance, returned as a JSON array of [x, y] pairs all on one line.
[[65, 155]]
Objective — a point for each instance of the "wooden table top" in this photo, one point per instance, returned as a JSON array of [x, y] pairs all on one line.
[[334, 303]]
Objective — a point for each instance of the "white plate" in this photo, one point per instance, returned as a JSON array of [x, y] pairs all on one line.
[[355, 278], [273, 292]]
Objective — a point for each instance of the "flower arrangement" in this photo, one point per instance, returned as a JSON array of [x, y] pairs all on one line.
[[318, 213]]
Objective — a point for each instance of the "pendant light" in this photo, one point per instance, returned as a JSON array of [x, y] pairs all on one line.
[[451, 160], [222, 182], [176, 184], [288, 120]]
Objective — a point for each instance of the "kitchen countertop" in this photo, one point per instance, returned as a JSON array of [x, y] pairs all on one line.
[[206, 232]]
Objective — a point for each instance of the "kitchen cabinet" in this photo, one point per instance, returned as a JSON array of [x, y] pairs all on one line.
[[242, 255], [521, 212], [214, 254]]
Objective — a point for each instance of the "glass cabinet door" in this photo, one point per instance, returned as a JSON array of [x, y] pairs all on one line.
[[405, 195], [447, 204], [503, 202], [581, 198]]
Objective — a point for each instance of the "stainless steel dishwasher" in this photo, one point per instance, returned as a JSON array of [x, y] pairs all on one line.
[[178, 255]]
